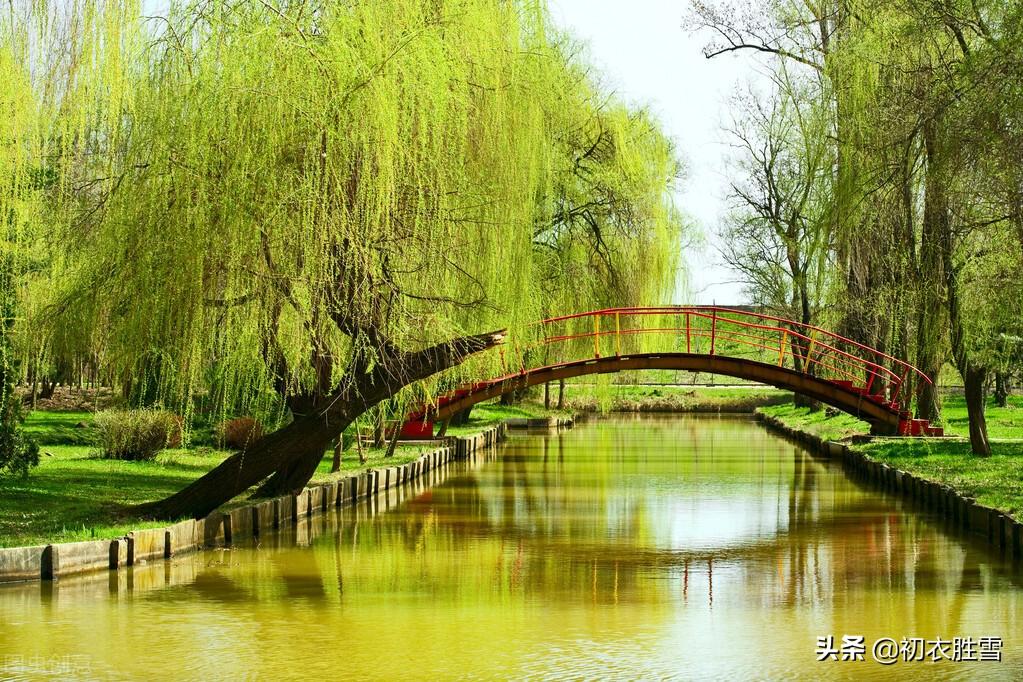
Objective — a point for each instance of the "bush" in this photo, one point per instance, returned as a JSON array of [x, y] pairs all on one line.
[[239, 433], [18, 452], [137, 434]]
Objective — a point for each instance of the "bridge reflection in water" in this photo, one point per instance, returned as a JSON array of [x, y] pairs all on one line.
[[632, 547]]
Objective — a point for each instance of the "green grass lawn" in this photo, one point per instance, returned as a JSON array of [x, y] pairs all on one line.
[[487, 414], [995, 481], [1002, 422], [672, 398], [827, 424], [74, 494]]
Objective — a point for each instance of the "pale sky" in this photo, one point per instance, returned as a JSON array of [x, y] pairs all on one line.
[[648, 59]]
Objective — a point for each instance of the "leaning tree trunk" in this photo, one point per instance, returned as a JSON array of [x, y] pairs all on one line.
[[292, 453], [236, 474]]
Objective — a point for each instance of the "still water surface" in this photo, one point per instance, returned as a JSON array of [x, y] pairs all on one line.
[[633, 547]]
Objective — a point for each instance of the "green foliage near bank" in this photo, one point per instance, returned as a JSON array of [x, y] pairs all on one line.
[[827, 424], [75, 494], [483, 416], [137, 434], [594, 397], [1004, 423], [995, 481]]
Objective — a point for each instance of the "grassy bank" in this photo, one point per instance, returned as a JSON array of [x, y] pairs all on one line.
[[74, 494], [995, 481], [671, 398], [483, 416]]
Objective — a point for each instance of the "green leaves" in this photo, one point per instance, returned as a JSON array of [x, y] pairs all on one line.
[[268, 200]]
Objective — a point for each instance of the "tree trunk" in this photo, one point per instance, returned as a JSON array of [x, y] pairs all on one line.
[[974, 374], [561, 394], [932, 275], [378, 430], [547, 396], [48, 388], [394, 440], [292, 453], [800, 356], [928, 404], [339, 447], [973, 379], [358, 443], [1001, 389], [288, 446]]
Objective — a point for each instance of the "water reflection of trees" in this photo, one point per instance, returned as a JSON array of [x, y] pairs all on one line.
[[571, 515]]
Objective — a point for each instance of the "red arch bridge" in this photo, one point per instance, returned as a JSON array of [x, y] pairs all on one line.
[[814, 362]]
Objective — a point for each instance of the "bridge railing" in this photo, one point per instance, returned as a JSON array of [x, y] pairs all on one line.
[[713, 330]]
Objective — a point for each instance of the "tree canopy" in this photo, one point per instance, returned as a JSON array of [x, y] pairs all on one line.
[[921, 102], [274, 206]]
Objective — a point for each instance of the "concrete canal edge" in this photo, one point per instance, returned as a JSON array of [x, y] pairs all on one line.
[[222, 528], [1002, 532]]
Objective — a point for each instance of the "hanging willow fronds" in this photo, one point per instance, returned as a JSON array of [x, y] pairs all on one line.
[[260, 199]]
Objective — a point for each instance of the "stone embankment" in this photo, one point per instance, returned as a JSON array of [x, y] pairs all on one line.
[[1002, 532], [223, 528]]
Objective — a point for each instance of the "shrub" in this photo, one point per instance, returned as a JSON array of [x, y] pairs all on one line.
[[239, 433], [137, 434], [18, 451]]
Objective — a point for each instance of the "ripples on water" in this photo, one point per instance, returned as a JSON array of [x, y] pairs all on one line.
[[632, 548]]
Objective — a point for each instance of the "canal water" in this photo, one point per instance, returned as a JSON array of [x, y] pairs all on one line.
[[688, 547]]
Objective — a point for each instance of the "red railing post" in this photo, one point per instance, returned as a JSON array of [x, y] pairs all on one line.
[[823, 349], [618, 335], [713, 328], [688, 347]]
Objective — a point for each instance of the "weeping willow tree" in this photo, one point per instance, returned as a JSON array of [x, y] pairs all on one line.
[[20, 187], [608, 233], [318, 206]]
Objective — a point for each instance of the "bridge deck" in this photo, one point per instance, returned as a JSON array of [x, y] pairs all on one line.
[[790, 355]]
